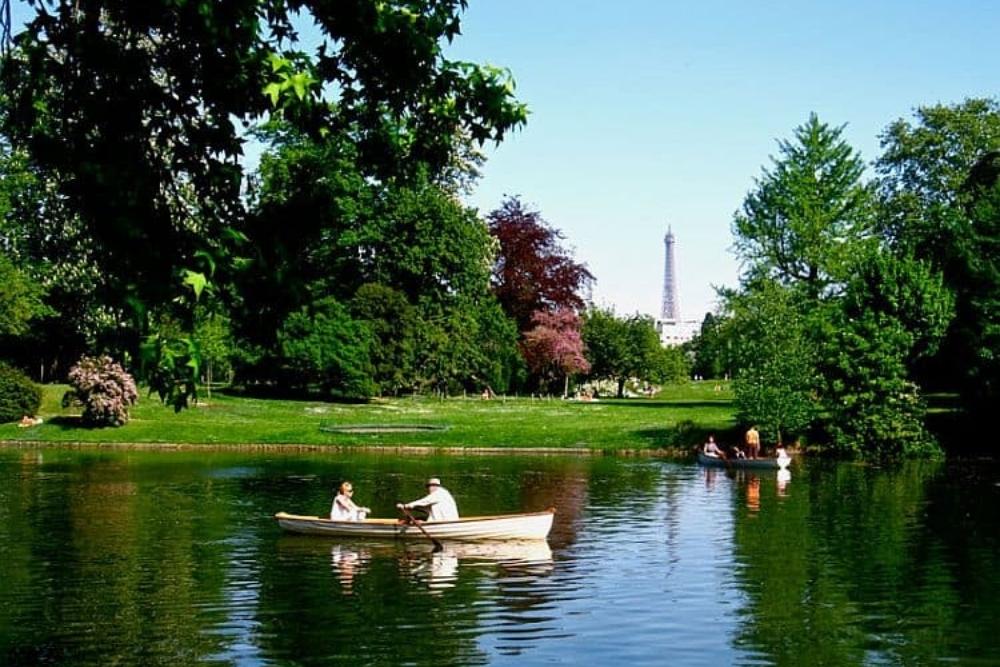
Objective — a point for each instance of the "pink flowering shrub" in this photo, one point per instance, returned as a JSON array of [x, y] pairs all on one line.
[[104, 389]]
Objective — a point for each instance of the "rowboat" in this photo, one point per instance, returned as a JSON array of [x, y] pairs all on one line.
[[532, 526], [757, 464]]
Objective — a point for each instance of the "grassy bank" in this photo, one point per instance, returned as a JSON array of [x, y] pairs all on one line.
[[679, 417]]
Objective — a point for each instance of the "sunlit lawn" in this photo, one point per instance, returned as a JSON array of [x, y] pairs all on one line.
[[679, 417]]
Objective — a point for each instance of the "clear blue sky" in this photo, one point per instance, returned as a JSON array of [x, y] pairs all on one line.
[[646, 113]]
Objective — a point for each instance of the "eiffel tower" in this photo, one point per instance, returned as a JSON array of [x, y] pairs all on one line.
[[670, 310]]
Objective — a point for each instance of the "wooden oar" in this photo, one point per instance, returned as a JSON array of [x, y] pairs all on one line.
[[413, 520]]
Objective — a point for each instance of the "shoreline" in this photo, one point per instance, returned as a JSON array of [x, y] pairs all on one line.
[[424, 450]]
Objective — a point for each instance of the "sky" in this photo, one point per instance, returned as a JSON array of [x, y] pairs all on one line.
[[651, 113], [646, 114]]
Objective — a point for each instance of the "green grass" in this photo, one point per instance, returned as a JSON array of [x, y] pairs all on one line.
[[678, 418]]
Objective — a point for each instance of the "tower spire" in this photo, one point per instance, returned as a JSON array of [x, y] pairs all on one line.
[[669, 311]]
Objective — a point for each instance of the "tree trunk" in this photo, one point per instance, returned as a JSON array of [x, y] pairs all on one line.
[[621, 387], [566, 387]]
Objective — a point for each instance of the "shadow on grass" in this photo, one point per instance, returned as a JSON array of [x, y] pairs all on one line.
[[686, 434], [72, 422], [276, 392], [658, 403]]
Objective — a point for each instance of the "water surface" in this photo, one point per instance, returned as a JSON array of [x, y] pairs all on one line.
[[160, 558]]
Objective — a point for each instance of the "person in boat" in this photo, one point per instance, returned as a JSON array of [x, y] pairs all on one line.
[[737, 453], [712, 449], [439, 503], [344, 508], [753, 442]]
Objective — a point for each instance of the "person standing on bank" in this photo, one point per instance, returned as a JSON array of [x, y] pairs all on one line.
[[438, 502], [344, 509], [753, 442]]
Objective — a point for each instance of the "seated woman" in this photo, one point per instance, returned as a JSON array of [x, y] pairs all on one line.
[[712, 449], [344, 509]]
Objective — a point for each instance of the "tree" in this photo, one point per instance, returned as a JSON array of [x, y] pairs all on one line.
[[554, 348], [937, 190], [774, 359], [394, 324], [809, 213], [468, 343], [668, 365], [213, 333], [21, 299], [895, 310], [325, 346], [417, 248], [135, 110], [620, 348], [532, 271], [47, 244], [979, 297], [137, 107], [710, 348]]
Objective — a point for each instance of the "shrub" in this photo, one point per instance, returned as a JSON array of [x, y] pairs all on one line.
[[104, 389], [19, 396]]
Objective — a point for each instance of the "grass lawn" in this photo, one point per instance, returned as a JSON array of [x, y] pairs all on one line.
[[678, 418]]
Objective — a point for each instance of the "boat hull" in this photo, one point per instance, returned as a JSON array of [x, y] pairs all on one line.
[[753, 464], [535, 526]]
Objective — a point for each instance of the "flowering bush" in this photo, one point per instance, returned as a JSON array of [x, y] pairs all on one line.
[[104, 389]]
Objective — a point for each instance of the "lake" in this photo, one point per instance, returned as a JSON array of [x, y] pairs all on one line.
[[173, 558]]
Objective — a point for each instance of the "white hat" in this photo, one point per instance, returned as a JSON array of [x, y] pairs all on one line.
[[433, 481]]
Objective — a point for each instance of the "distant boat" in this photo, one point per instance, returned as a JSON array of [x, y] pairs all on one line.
[[758, 464], [533, 526]]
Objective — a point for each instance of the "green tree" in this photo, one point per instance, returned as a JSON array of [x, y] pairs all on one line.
[[895, 310], [394, 324], [323, 345], [979, 296], [467, 343], [668, 365], [136, 111], [624, 348], [775, 360], [808, 213], [428, 253], [137, 107], [937, 189], [214, 336], [21, 299], [710, 348]]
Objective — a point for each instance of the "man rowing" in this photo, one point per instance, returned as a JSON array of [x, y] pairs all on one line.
[[438, 502]]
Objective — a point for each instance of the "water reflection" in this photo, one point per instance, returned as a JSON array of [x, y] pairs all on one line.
[[420, 562], [347, 563], [176, 559], [784, 477]]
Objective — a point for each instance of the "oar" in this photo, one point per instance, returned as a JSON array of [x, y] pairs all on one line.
[[437, 545]]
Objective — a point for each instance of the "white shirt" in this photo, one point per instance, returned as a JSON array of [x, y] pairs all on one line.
[[439, 502], [344, 509]]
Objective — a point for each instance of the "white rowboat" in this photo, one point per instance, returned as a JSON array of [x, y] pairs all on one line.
[[533, 526]]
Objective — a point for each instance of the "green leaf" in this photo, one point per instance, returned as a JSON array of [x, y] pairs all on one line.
[[273, 90], [196, 281]]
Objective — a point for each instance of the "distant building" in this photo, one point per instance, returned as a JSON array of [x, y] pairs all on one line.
[[672, 328]]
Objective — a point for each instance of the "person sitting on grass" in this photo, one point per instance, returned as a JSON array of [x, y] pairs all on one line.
[[712, 449], [344, 509]]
